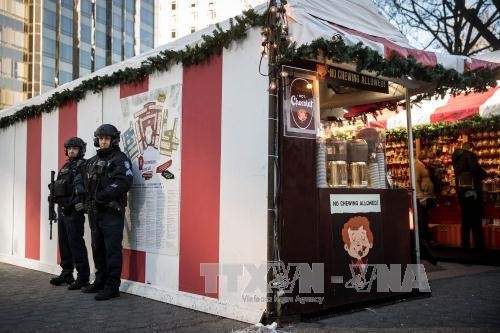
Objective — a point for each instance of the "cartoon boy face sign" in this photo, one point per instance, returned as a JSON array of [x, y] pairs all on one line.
[[357, 237]]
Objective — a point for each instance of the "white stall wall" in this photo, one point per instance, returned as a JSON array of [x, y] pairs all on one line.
[[243, 185], [89, 117], [18, 244], [50, 153], [243, 197], [7, 137]]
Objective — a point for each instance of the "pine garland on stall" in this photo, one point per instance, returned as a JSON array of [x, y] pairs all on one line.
[[473, 125]]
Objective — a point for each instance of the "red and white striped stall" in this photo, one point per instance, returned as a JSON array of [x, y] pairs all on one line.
[[209, 127]]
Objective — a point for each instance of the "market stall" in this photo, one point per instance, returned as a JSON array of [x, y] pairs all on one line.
[[241, 171], [441, 140]]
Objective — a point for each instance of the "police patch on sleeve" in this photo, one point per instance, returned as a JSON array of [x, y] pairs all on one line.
[[127, 166]]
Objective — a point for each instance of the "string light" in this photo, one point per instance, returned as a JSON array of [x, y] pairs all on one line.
[[274, 37]]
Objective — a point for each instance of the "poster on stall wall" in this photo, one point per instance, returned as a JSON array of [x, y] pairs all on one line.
[[301, 103], [152, 142], [357, 241]]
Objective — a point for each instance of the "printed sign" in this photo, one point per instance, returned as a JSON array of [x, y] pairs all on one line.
[[354, 203], [301, 106], [344, 77]]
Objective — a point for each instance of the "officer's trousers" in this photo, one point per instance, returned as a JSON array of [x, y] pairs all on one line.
[[107, 236], [72, 249]]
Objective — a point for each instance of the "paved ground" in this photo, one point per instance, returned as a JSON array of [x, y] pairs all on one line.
[[465, 298]]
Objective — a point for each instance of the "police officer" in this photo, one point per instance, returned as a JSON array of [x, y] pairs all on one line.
[[71, 219], [108, 178]]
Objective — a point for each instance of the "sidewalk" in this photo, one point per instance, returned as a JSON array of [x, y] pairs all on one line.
[[464, 298]]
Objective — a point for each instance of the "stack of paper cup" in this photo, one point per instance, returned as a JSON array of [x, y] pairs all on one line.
[[382, 170], [373, 175], [321, 165]]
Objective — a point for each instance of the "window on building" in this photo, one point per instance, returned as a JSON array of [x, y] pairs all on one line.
[[194, 16], [147, 16], [85, 59], [49, 47], [86, 8], [130, 6], [118, 3], [129, 50], [117, 22], [212, 14], [173, 5], [49, 19], [65, 77], [6, 67], [146, 38], [66, 26], [172, 34], [193, 4], [129, 27], [66, 52], [100, 62], [193, 29], [117, 46], [100, 39], [48, 75], [67, 4], [86, 34], [100, 14], [21, 72], [173, 18]]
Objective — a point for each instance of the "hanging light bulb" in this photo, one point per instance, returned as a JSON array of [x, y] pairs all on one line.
[[284, 74], [309, 86], [273, 9], [272, 85]]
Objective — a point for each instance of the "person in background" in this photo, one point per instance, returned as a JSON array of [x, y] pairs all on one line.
[[468, 181], [424, 188]]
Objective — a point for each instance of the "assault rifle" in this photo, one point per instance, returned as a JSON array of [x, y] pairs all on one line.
[[52, 201]]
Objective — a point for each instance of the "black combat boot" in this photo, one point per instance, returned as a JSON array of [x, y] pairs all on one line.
[[61, 279], [92, 288], [78, 284], [107, 293]]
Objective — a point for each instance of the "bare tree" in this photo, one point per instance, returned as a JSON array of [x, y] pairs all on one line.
[[463, 27]]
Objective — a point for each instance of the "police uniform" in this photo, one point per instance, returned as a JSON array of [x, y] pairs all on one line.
[[71, 220], [108, 177]]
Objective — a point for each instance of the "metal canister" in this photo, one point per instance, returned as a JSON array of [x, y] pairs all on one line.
[[359, 174], [336, 149], [357, 151], [337, 174]]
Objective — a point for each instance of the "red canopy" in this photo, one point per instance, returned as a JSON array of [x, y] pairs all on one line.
[[461, 107]]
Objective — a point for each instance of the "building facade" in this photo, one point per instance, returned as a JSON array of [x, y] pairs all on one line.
[[46, 43], [182, 17]]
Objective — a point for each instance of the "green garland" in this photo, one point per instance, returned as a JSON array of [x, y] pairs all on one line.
[[473, 125], [363, 57], [446, 81]]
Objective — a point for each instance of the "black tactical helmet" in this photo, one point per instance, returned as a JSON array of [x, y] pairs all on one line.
[[107, 130], [75, 142]]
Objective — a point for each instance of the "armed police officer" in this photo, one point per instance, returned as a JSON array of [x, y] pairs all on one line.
[[67, 191], [108, 177]]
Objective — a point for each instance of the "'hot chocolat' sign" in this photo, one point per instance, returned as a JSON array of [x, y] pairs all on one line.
[[300, 107]]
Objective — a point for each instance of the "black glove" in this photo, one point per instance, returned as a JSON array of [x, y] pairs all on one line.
[[79, 207]]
